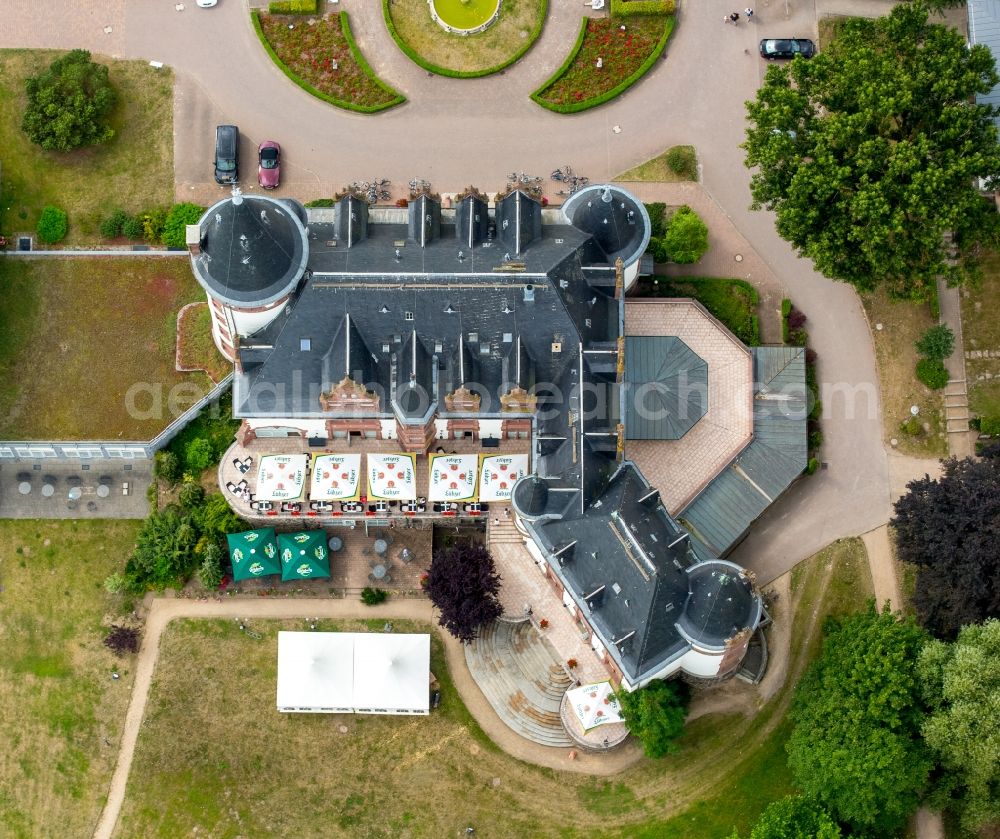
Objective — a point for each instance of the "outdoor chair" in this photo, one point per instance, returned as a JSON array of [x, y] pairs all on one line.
[[387, 578]]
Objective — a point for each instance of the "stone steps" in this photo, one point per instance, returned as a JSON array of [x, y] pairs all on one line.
[[521, 680]]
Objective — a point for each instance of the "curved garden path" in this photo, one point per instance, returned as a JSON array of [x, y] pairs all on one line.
[[459, 132], [163, 610]]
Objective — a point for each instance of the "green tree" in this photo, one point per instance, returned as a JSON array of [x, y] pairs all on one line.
[[198, 455], [795, 817], [168, 466], [686, 238], [210, 570], [655, 714], [70, 104], [215, 518], [164, 551], [869, 152], [191, 495], [175, 226], [52, 225], [938, 342], [961, 685], [933, 373], [856, 746]]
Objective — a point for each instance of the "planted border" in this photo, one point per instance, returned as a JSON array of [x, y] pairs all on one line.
[[608, 95], [420, 61], [396, 98]]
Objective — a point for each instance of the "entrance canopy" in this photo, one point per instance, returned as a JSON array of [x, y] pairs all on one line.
[[594, 705], [354, 672], [392, 477], [499, 473], [254, 553], [453, 477], [282, 477], [336, 477], [304, 555]]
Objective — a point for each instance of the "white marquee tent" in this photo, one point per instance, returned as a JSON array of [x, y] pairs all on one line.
[[354, 672]]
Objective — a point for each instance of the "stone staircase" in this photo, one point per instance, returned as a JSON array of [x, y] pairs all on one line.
[[956, 407], [503, 532], [522, 680]]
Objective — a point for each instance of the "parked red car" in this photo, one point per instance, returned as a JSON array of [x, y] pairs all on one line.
[[269, 164]]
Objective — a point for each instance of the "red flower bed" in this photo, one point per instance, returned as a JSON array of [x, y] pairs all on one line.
[[621, 54], [321, 56]]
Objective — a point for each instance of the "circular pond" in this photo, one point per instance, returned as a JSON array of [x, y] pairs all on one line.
[[465, 17]]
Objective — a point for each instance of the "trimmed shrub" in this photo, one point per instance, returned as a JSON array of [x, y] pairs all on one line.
[[179, 217], [659, 250], [624, 8], [798, 337], [153, 222], [132, 227], [912, 427], [681, 160], [796, 319], [111, 227], [167, 466], [198, 455], [292, 7], [52, 225], [812, 466], [786, 307], [686, 237], [122, 639], [321, 202], [938, 342], [657, 219], [989, 425], [815, 440], [373, 596], [932, 372]]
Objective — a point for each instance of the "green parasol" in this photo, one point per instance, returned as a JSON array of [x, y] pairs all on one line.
[[254, 553], [304, 555]]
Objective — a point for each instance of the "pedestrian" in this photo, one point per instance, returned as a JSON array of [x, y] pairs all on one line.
[[748, 12], [735, 18]]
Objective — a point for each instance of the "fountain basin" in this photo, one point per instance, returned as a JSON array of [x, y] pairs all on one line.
[[465, 17]]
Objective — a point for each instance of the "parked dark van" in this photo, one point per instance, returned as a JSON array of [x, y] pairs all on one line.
[[227, 154]]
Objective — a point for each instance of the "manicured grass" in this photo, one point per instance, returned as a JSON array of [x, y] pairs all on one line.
[[324, 60], [77, 333], [903, 323], [981, 333], [733, 302], [425, 43], [215, 758], [62, 712], [197, 350], [659, 170], [135, 170], [625, 56]]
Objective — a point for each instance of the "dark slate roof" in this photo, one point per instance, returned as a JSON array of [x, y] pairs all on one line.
[[721, 514], [424, 220], [666, 388], [620, 223], [519, 222], [722, 602], [253, 249], [472, 220]]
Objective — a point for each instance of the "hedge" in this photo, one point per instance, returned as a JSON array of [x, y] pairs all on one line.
[[292, 7], [624, 8], [607, 96], [397, 99], [420, 61]]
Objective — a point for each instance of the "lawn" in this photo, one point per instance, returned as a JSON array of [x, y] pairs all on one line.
[[214, 758], [659, 170], [426, 43], [62, 711], [610, 55], [197, 350], [981, 333], [733, 302], [77, 333], [320, 55], [903, 322], [135, 170]]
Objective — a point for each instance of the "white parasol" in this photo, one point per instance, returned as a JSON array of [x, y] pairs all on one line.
[[453, 477], [499, 473], [594, 705], [281, 477], [392, 477], [336, 477]]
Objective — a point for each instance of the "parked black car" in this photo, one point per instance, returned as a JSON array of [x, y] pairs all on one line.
[[772, 48], [227, 154]]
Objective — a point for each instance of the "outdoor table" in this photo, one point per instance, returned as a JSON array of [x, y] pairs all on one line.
[[48, 490], [103, 491], [75, 493], [380, 546], [24, 487], [378, 572], [406, 555], [336, 543]]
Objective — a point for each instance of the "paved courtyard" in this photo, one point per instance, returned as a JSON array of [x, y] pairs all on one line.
[[66, 489]]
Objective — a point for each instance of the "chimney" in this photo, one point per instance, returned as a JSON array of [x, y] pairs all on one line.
[[192, 238]]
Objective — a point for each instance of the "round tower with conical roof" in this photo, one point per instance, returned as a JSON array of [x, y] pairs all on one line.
[[249, 252]]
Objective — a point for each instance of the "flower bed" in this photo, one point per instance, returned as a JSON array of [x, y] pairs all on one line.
[[625, 56], [322, 58]]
